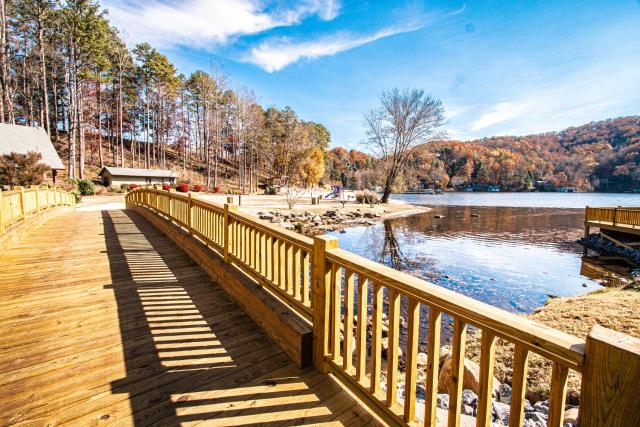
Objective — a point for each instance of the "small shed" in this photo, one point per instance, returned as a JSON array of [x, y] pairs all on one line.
[[118, 176], [25, 139]]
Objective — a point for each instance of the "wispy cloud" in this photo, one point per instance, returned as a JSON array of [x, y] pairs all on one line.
[[206, 24], [275, 54], [500, 113]]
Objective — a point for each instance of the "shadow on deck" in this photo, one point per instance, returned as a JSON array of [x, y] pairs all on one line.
[[190, 354]]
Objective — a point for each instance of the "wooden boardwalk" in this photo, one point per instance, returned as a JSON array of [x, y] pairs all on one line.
[[105, 321]]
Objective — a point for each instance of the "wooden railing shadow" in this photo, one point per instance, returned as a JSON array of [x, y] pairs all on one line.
[[191, 354]]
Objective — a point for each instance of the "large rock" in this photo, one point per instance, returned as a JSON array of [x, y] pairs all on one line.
[[422, 360], [500, 413], [571, 416], [385, 347], [471, 377]]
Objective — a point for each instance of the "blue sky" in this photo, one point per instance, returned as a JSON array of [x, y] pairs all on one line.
[[499, 67]]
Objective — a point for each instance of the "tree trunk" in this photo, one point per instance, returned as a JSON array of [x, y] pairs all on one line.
[[43, 70]]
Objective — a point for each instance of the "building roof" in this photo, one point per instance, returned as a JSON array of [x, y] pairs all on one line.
[[146, 173], [23, 139]]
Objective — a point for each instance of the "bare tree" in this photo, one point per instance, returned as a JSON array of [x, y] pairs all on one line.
[[404, 120]]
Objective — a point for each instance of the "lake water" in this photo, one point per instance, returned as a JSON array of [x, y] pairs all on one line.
[[529, 200], [507, 255]]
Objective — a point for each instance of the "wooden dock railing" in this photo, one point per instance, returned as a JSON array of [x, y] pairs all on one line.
[[346, 297], [21, 203], [615, 216]]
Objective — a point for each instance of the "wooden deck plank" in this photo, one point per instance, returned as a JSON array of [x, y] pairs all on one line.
[[105, 321]]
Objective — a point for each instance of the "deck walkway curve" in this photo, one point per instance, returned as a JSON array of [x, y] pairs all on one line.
[[105, 321]]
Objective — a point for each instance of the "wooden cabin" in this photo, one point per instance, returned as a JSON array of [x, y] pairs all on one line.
[[118, 176]]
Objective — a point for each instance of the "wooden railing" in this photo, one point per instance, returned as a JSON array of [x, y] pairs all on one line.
[[617, 216], [347, 297], [21, 203], [278, 258]]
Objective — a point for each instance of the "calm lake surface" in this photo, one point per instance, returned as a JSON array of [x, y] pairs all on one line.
[[512, 255]]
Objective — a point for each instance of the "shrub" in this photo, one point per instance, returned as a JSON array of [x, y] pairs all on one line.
[[133, 186], [86, 187], [217, 189], [183, 188], [22, 169], [197, 188], [270, 190], [77, 195], [368, 197], [124, 187], [166, 187]]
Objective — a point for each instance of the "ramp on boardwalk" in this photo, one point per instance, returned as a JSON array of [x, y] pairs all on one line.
[[105, 321]]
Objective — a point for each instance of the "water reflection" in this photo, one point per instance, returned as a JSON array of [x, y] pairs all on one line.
[[512, 258]]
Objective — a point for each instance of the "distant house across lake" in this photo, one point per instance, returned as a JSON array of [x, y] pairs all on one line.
[[118, 176], [25, 139]]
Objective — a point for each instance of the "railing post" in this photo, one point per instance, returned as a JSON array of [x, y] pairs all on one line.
[[228, 232], [1, 213], [37, 190], [615, 213], [190, 210], [610, 378], [320, 291], [22, 211]]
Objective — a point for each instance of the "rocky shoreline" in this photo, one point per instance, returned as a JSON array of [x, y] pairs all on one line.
[[311, 223]]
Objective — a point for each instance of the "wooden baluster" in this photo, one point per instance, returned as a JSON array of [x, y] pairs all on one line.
[[457, 371], [275, 248], [347, 341], [282, 264], [321, 302], [336, 305], [392, 350], [361, 329], [518, 385], [376, 338], [413, 330], [305, 277], [289, 275], [433, 364], [487, 363], [558, 395], [296, 273], [268, 258]]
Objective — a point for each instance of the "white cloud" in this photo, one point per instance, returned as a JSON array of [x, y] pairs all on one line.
[[275, 54], [206, 23], [499, 113]]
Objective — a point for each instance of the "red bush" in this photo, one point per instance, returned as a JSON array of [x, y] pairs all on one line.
[[217, 189], [166, 187], [183, 188], [133, 186], [197, 188]]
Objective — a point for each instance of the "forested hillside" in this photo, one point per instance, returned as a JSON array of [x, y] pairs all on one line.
[[603, 156], [66, 68]]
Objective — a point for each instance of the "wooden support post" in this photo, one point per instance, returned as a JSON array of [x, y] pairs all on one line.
[[190, 212], [1, 213], [610, 380], [228, 232], [22, 210], [320, 295], [37, 190]]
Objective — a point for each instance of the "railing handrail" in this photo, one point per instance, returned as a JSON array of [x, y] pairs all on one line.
[[544, 340]]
